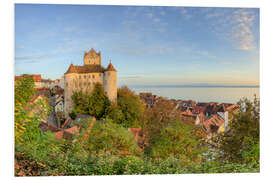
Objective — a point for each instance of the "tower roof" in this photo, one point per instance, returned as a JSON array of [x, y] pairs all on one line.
[[92, 52], [110, 67]]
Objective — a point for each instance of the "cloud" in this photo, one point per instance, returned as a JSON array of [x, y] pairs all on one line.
[[235, 25], [129, 77], [29, 58], [207, 54], [159, 50], [156, 20], [19, 47], [185, 13]]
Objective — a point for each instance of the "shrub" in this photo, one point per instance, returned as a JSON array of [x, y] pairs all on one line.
[[111, 138]]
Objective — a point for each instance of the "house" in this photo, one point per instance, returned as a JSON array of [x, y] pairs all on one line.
[[200, 118], [59, 106], [59, 103], [216, 123]]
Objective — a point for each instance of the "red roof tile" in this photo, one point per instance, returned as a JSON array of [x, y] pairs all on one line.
[[88, 68], [110, 67]]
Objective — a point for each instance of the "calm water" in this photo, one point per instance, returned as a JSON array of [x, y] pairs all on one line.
[[203, 94]]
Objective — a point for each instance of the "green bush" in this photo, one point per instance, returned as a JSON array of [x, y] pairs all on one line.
[[112, 138], [94, 104], [130, 106], [178, 140]]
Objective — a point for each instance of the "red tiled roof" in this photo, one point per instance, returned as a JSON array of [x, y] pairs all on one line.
[[73, 130], [36, 77], [213, 123], [48, 127], [110, 67], [67, 133], [85, 69], [187, 113], [66, 122]]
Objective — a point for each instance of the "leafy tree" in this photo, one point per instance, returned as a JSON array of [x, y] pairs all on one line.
[[178, 140], [28, 114], [94, 104], [131, 107], [115, 114], [107, 137], [155, 118], [241, 142], [99, 101], [24, 90]]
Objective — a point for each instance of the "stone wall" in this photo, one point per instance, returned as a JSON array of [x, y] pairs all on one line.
[[110, 85], [86, 82]]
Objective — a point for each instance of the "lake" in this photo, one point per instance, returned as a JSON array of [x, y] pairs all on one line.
[[203, 94]]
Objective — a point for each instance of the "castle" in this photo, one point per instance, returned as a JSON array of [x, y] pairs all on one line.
[[83, 78]]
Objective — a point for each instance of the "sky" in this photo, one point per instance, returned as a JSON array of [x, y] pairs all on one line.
[[148, 45]]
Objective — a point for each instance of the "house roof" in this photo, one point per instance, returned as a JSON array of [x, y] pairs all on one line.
[[213, 123], [87, 68], [202, 117], [36, 77], [48, 127], [67, 133], [66, 122]]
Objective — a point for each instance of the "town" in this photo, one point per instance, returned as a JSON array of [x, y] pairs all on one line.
[[212, 117], [85, 110]]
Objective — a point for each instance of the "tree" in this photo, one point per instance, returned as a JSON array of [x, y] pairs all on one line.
[[241, 142], [106, 137], [24, 90], [178, 140], [99, 102], [28, 114], [94, 104], [155, 118], [131, 107], [115, 114]]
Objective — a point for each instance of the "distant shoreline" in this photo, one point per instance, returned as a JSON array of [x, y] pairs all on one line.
[[190, 86]]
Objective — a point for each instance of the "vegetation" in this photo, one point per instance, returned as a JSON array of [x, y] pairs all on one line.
[[177, 140], [241, 142], [105, 146], [130, 108], [94, 104]]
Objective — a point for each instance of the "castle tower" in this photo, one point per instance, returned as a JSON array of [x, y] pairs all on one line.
[[110, 82], [92, 57]]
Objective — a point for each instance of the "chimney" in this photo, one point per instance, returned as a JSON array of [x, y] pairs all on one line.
[[226, 118]]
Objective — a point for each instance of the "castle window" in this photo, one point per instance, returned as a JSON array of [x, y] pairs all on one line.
[[99, 75], [93, 76], [79, 76], [67, 84], [84, 76]]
